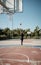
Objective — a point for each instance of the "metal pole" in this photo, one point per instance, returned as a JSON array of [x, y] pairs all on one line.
[[12, 27]]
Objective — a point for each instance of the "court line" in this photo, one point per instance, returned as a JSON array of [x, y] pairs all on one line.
[[35, 52], [35, 61], [18, 54], [17, 60]]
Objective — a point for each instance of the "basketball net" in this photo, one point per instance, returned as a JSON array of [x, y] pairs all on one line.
[[10, 16]]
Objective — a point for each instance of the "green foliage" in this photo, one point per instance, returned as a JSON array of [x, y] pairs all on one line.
[[8, 34], [36, 32]]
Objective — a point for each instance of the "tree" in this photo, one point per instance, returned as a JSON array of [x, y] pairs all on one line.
[[1, 31], [36, 31], [7, 32]]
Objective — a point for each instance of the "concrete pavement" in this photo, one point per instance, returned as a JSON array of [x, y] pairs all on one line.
[[17, 42]]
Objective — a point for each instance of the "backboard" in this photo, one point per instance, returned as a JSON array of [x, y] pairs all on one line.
[[7, 6], [18, 5], [10, 6]]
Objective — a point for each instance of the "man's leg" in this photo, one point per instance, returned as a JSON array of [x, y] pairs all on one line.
[[21, 42]]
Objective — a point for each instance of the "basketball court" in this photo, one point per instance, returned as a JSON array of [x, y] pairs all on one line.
[[19, 55], [11, 51]]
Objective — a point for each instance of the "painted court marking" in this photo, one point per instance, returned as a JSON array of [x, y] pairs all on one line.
[[7, 64], [35, 52], [17, 54], [16, 60]]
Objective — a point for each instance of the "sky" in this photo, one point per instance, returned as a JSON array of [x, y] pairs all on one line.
[[30, 17]]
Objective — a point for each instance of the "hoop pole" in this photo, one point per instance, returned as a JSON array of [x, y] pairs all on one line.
[[11, 19], [12, 26]]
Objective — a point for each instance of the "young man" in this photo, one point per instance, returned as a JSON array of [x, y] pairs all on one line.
[[22, 35]]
